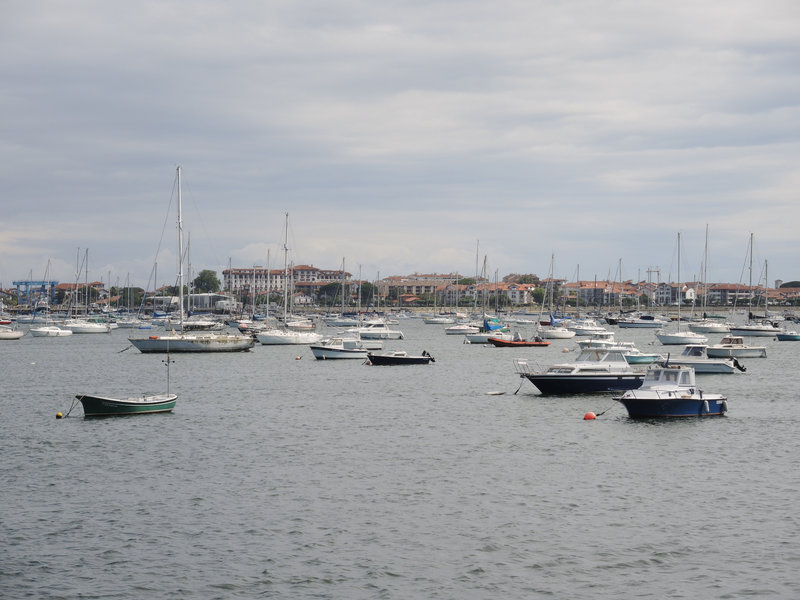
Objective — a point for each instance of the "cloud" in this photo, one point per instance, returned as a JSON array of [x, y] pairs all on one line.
[[396, 136]]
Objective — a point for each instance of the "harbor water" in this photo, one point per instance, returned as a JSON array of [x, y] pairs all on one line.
[[279, 476]]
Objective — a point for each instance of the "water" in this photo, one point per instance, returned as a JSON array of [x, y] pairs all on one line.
[[285, 478]]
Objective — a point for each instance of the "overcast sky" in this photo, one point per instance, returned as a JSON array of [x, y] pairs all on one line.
[[401, 137]]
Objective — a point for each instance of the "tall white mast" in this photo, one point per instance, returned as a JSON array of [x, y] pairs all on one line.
[[285, 268], [180, 250]]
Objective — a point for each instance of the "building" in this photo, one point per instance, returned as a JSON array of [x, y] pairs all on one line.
[[261, 280]]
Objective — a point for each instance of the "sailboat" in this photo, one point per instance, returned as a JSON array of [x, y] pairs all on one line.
[[752, 328], [286, 336], [707, 325], [680, 337], [181, 341]]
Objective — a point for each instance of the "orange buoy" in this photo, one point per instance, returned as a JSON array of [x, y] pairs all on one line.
[[589, 416]]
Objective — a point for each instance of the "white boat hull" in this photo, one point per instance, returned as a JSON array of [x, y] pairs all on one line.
[[193, 342], [48, 331], [279, 337]]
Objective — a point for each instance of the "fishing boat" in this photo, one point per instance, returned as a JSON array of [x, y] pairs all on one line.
[[182, 341], [734, 346], [595, 370], [694, 355], [671, 391], [339, 348], [399, 357]]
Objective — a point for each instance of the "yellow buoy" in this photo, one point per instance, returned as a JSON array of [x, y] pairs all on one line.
[[59, 415]]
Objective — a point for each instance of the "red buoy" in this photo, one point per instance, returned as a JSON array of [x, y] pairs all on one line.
[[589, 416]]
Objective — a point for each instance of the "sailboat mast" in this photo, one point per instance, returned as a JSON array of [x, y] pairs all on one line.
[[180, 251], [679, 281], [285, 268], [750, 285]]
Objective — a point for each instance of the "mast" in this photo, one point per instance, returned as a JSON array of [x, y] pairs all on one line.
[[750, 284], [285, 268], [180, 250], [679, 281]]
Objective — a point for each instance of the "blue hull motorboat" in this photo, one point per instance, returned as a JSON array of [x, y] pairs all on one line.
[[671, 391]]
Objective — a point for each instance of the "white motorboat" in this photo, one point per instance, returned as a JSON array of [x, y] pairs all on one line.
[[644, 321], [763, 329], [585, 327], [49, 331], [377, 330], [462, 329], [440, 320], [339, 348], [287, 337], [676, 338], [694, 355], [84, 326], [710, 326], [734, 346], [482, 337], [556, 332]]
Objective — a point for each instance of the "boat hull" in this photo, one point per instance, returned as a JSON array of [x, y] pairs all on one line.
[[99, 406], [388, 359], [288, 338], [681, 339], [788, 337], [585, 384], [11, 335], [192, 343], [718, 366], [322, 353], [655, 407], [501, 343], [755, 331], [712, 352]]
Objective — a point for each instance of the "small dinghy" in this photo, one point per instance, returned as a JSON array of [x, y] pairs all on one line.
[[100, 406], [104, 406]]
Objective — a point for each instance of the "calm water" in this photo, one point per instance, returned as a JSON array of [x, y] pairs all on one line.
[[285, 478]]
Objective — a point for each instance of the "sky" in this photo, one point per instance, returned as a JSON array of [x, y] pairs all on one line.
[[400, 138]]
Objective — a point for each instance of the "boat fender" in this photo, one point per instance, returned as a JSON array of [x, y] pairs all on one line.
[[153, 337], [705, 406]]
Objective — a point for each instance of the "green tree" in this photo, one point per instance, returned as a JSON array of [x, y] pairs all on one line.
[[206, 281]]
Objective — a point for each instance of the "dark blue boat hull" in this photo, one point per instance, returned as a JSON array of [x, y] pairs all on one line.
[[639, 408], [586, 384]]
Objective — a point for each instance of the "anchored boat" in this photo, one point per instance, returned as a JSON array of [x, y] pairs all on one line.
[[671, 391]]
